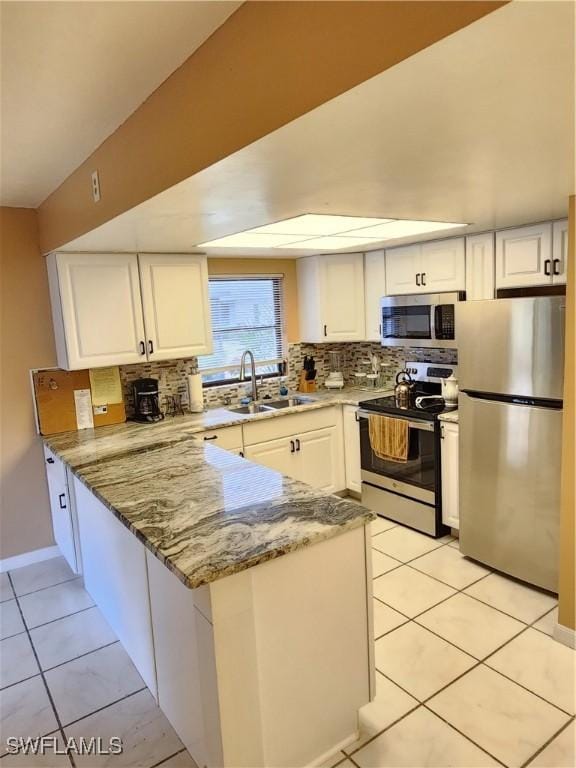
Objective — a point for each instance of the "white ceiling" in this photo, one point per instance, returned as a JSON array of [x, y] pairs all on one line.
[[477, 128], [72, 72]]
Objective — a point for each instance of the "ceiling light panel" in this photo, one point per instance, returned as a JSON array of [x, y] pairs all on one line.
[[249, 240], [312, 224], [331, 243], [404, 228]]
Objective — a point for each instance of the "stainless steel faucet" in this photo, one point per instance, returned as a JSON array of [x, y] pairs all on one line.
[[252, 372]]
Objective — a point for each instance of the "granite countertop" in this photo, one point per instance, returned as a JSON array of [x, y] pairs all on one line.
[[451, 416], [204, 512]]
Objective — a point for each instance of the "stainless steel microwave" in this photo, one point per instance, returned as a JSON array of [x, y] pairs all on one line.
[[419, 320]]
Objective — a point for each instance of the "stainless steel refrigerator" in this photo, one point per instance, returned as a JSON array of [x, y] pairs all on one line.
[[511, 361]]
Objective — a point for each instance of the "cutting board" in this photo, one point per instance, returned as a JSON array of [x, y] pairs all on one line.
[[54, 393]]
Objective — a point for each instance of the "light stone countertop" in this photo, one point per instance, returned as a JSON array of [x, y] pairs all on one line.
[[204, 512], [451, 416]]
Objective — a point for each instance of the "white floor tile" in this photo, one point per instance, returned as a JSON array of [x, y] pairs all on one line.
[[409, 591], [471, 625], [404, 544], [381, 524], [53, 603], [17, 660], [560, 753], [181, 760], [332, 761], [10, 619], [93, 681], [6, 592], [382, 563], [48, 760], [498, 715], [40, 575], [542, 665], [386, 618], [418, 661], [26, 711], [422, 740], [518, 600], [455, 542], [391, 703], [146, 734], [71, 636], [451, 567], [547, 623]]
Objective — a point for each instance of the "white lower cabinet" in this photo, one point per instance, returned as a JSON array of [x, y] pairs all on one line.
[[63, 512], [229, 438], [352, 449], [274, 454], [115, 575], [450, 510]]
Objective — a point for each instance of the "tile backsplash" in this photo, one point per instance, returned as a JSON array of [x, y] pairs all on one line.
[[172, 374]]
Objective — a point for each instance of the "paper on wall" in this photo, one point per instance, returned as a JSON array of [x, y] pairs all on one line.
[[83, 405], [105, 385]]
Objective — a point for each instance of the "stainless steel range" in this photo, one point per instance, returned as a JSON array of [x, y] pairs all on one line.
[[408, 491]]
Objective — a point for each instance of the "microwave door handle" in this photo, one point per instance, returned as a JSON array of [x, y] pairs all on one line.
[[434, 315]]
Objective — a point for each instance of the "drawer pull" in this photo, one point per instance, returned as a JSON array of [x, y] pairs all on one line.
[[61, 497], [50, 461], [212, 437]]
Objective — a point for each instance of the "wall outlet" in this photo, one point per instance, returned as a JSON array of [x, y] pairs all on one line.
[[95, 187]]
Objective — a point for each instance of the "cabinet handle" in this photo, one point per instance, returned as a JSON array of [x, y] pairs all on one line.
[[150, 346], [555, 263], [325, 330], [49, 461], [60, 497], [380, 330], [241, 453], [418, 278], [292, 446], [547, 267], [212, 437], [297, 444], [423, 278], [142, 348]]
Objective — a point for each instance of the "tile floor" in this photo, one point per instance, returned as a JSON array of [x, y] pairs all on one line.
[[63, 673], [468, 674]]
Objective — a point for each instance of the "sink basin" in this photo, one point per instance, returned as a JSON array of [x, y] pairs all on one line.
[[289, 402], [251, 408]]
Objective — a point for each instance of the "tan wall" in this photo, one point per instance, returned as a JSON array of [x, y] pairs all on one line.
[[268, 64], [286, 267], [27, 342], [567, 610]]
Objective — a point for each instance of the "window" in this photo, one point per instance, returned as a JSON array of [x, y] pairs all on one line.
[[246, 314]]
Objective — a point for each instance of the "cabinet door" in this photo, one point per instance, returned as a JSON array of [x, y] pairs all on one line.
[[374, 289], [275, 454], [402, 269], [523, 256], [480, 266], [317, 459], [100, 309], [342, 296], [60, 508], [352, 449], [443, 265], [450, 512], [176, 305], [559, 251]]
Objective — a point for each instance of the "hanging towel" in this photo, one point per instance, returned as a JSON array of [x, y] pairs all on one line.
[[388, 437]]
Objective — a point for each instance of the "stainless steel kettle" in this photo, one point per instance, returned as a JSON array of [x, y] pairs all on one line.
[[404, 389]]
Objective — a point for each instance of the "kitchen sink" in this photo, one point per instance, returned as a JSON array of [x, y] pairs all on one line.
[[251, 408], [289, 402]]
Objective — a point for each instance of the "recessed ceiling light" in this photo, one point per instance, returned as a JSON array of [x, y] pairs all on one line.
[[404, 228], [331, 243], [311, 224], [249, 240]]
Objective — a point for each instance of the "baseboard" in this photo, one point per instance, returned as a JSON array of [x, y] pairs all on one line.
[[565, 635], [28, 558], [323, 759]]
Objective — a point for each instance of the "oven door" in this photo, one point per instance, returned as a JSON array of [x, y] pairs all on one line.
[[415, 478]]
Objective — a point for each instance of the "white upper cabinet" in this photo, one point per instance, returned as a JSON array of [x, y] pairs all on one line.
[[331, 297], [374, 289], [118, 308], [96, 308], [176, 305], [524, 256], [433, 267], [480, 266], [559, 251]]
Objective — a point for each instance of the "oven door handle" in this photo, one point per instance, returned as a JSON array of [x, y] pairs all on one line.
[[426, 426]]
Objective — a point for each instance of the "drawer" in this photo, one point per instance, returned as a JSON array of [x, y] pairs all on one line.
[[227, 437], [286, 426]]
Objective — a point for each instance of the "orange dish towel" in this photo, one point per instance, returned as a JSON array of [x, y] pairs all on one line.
[[388, 437]]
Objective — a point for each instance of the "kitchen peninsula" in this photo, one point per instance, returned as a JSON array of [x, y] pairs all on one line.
[[241, 595]]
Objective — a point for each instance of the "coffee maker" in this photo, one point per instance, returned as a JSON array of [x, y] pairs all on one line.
[[147, 400]]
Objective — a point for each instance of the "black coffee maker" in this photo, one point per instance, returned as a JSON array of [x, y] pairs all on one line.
[[147, 400]]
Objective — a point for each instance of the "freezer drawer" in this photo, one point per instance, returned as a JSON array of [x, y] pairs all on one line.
[[510, 487]]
